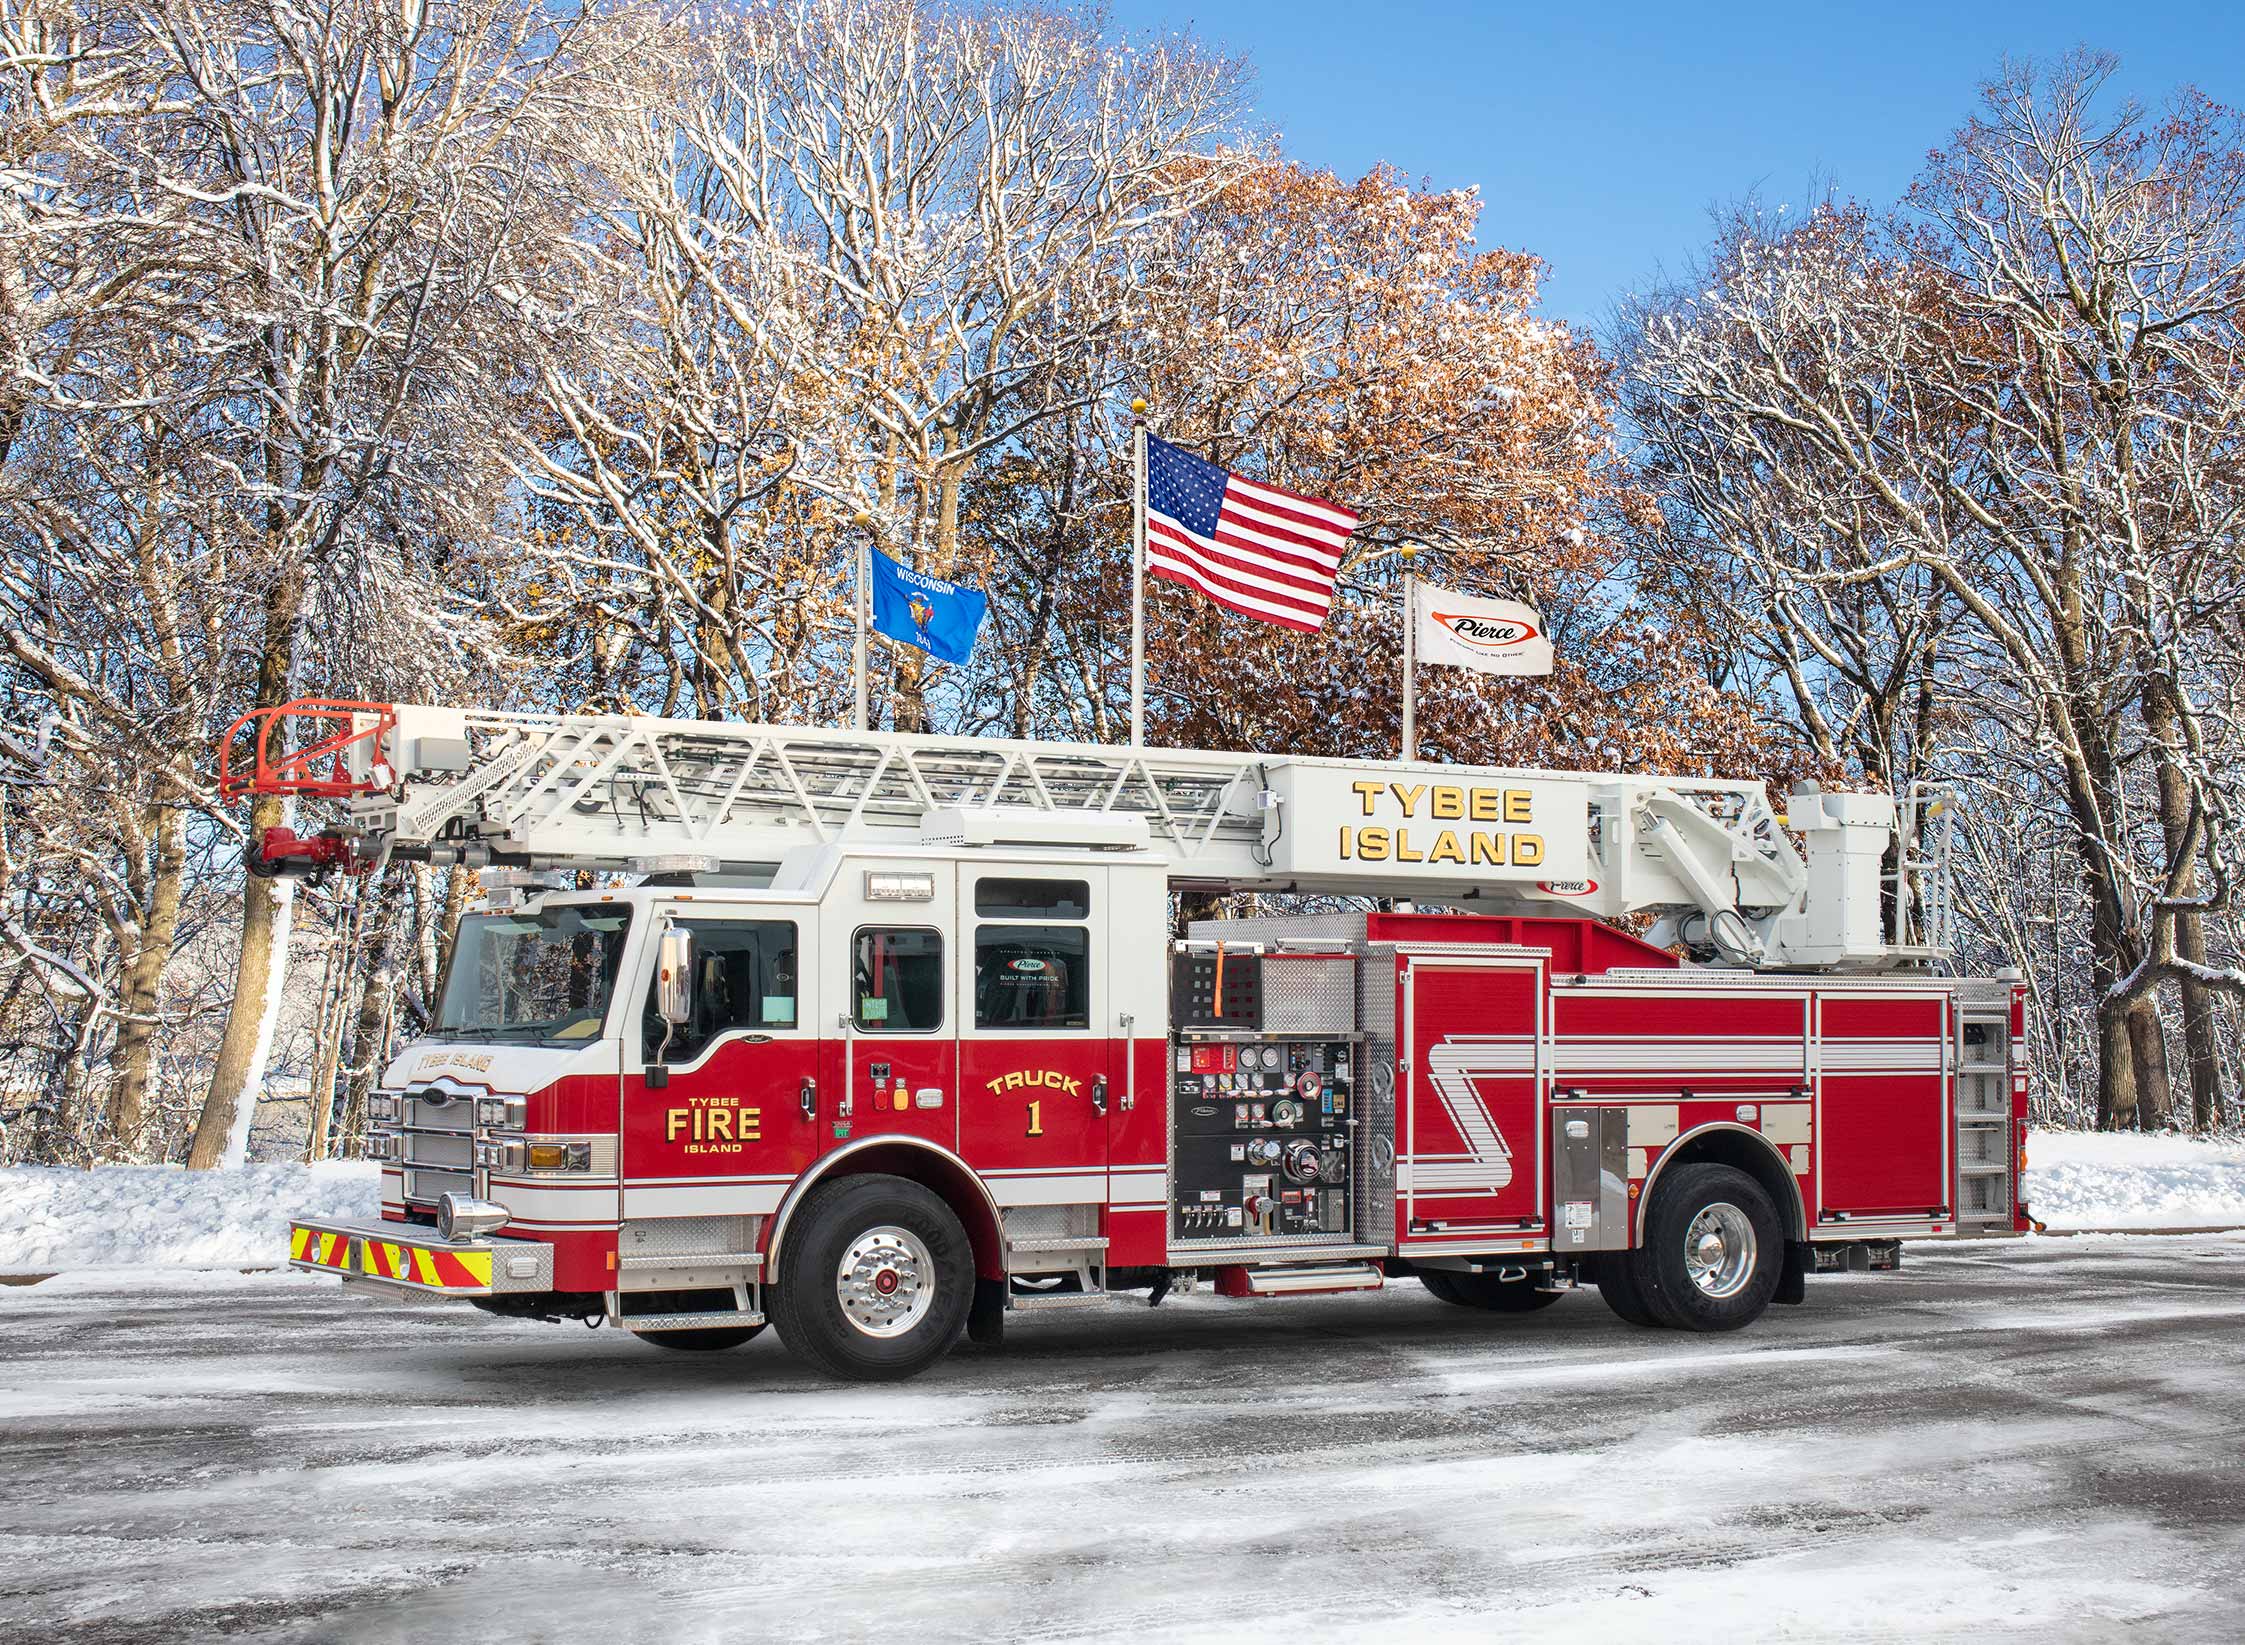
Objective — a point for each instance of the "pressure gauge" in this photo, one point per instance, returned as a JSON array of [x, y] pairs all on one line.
[[1272, 1056]]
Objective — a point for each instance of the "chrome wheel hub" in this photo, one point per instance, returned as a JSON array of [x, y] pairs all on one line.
[[886, 1281], [1719, 1250]]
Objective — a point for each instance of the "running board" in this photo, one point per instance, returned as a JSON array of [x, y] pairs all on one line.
[[1300, 1279]]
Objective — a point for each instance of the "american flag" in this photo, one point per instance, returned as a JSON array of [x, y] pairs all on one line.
[[1250, 547]]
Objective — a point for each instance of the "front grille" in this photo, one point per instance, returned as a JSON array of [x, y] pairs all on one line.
[[440, 1148], [436, 1145], [429, 1186]]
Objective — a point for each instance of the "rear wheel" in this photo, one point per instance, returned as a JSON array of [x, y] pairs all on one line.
[[1486, 1291], [725, 1336], [875, 1279], [1713, 1250]]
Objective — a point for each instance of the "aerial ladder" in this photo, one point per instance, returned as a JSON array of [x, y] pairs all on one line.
[[1714, 865]]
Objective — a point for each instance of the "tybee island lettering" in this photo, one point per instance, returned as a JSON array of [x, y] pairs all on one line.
[[1417, 819]]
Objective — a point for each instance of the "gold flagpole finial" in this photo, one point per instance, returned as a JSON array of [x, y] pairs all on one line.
[[1138, 408]]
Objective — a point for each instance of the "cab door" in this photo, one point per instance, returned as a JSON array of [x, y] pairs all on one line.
[[1037, 1071], [720, 1124], [890, 1062]]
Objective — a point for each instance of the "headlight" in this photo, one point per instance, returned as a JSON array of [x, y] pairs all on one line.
[[382, 1108], [499, 1156], [515, 1154], [501, 1113]]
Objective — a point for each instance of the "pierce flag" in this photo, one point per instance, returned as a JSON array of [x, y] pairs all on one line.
[[938, 617], [1494, 636]]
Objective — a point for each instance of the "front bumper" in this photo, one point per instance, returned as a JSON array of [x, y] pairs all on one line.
[[408, 1258]]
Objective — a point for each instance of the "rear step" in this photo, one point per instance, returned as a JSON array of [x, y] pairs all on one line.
[[1300, 1279]]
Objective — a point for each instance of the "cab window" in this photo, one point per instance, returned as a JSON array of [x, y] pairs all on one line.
[[744, 979], [896, 982], [1032, 967]]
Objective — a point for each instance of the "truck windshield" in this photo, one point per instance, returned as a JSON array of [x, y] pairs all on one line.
[[532, 978]]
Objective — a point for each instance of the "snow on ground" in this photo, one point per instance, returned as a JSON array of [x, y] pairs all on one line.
[[138, 1216], [2090, 1179], [2027, 1441], [132, 1216]]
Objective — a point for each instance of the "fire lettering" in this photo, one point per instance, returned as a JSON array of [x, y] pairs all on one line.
[[712, 1125]]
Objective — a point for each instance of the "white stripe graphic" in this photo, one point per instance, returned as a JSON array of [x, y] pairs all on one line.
[[1453, 1066]]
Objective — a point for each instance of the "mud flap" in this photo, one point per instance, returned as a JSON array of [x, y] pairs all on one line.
[[986, 1315], [1792, 1279]]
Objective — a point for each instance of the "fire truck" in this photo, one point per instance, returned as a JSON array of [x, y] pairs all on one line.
[[884, 1038]]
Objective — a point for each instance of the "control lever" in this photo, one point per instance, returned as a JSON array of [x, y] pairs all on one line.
[[810, 1099], [1099, 1092]]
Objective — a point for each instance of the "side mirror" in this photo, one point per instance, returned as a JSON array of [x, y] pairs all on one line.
[[674, 976]]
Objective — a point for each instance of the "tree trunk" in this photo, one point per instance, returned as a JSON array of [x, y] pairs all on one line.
[[133, 1059], [2201, 1041], [237, 1077], [222, 1131], [2202, 1044], [2116, 1075], [2147, 1044]]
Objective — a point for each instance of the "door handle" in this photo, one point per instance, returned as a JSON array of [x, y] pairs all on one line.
[[1099, 1092], [810, 1099]]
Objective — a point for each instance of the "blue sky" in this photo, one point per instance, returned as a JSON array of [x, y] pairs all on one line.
[[1600, 136]]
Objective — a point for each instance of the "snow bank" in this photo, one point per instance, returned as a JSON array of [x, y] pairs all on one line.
[[133, 1216], [2093, 1179]]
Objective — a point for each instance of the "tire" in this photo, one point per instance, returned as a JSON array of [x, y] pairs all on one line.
[[708, 1341], [1618, 1285], [875, 1280], [1713, 1250], [1438, 1284], [1487, 1292]]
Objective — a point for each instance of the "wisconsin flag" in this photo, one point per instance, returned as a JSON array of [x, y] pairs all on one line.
[[1494, 636], [940, 618]]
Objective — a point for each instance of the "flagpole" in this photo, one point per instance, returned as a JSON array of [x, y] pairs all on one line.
[[1410, 553], [862, 570], [1138, 574]]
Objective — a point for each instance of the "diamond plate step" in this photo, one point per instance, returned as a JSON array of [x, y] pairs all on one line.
[[1060, 1242], [687, 1322]]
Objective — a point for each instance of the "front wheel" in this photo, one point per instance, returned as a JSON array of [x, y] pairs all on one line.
[[875, 1279], [1713, 1250]]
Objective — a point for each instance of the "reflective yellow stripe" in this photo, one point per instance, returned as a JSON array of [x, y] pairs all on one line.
[[298, 1238], [328, 1243], [425, 1265], [477, 1263]]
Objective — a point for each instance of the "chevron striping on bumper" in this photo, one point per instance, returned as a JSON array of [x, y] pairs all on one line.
[[438, 1268]]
